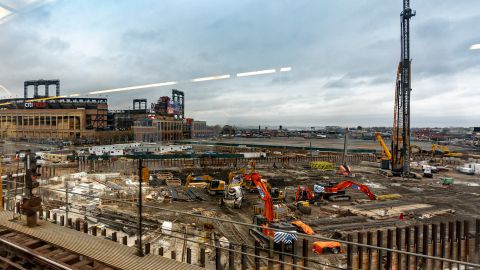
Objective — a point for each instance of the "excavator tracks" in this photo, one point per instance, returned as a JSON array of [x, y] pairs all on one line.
[[24, 252]]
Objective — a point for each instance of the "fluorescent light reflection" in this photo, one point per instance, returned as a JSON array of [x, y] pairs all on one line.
[[475, 47], [253, 73], [284, 69], [132, 88], [211, 78]]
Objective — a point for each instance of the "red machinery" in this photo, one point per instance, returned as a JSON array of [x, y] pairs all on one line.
[[344, 170], [304, 194], [265, 235], [337, 192]]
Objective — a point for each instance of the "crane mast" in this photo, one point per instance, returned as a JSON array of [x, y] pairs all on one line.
[[401, 123]]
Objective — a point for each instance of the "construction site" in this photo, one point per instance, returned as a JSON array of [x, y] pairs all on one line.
[[161, 201]]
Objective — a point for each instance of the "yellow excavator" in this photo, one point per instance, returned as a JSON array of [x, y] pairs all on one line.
[[237, 178], [445, 150], [214, 186], [386, 153], [387, 156]]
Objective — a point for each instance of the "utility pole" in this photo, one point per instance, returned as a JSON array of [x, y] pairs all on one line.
[[345, 146]]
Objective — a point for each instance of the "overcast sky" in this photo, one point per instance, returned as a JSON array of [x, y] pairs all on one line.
[[343, 55]]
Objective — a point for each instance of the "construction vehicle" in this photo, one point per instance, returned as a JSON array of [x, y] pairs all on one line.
[[336, 192], [446, 152], [387, 156], [344, 170], [320, 247], [386, 160], [304, 194], [447, 181], [234, 197], [427, 171], [238, 177], [214, 186], [264, 233], [197, 181]]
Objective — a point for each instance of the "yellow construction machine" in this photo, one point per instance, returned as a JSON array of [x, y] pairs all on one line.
[[214, 186], [386, 157], [445, 150], [386, 153]]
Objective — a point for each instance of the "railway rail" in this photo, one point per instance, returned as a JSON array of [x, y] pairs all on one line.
[[23, 252]]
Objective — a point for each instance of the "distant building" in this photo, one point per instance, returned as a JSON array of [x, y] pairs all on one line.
[[158, 128], [45, 117], [200, 130], [52, 118]]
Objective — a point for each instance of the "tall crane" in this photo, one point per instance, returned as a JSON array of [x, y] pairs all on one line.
[[401, 122]]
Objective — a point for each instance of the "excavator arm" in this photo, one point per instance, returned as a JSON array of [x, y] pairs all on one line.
[[386, 152], [445, 150], [346, 184], [264, 194]]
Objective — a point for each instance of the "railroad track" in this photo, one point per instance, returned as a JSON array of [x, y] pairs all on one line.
[[24, 252]]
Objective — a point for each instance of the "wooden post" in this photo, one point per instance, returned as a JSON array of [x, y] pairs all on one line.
[[434, 245], [294, 254], [85, 227], [408, 247], [416, 240], [94, 230], [466, 235], [398, 243], [104, 232], [379, 244], [477, 240], [202, 256], [147, 248], [451, 241], [243, 257], [443, 229], [360, 250], [390, 246], [160, 251], [349, 252], [257, 253], [218, 258], [231, 257], [305, 248], [77, 224], [189, 255], [425, 242], [125, 240], [459, 240], [281, 257], [270, 254], [369, 250], [114, 236]]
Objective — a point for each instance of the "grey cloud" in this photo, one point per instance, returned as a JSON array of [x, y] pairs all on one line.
[[141, 42]]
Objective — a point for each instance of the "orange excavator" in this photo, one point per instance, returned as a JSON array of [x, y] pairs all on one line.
[[265, 235], [336, 192], [345, 170], [304, 194]]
